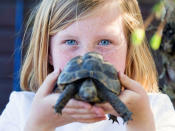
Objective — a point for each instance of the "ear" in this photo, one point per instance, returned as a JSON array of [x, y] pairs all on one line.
[[50, 60]]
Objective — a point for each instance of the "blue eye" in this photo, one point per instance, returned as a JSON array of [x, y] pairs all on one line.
[[71, 42], [104, 42]]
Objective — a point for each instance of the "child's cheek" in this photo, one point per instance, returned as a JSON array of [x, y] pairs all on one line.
[[118, 61], [60, 61], [117, 57]]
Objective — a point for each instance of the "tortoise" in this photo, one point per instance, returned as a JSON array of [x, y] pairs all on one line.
[[89, 78]]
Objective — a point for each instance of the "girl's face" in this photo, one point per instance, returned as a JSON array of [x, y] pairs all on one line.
[[101, 32]]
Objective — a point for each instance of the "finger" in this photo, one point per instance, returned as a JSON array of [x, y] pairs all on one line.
[[73, 106], [86, 116], [108, 109], [105, 106], [128, 97], [52, 98], [93, 120], [82, 111], [98, 110], [78, 104], [72, 103], [48, 84], [129, 83]]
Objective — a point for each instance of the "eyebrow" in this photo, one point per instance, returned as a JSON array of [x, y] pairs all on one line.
[[109, 36], [106, 35], [66, 36]]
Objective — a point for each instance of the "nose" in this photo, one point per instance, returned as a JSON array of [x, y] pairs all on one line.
[[87, 48]]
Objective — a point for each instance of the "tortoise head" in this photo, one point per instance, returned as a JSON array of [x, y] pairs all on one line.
[[95, 55], [88, 92]]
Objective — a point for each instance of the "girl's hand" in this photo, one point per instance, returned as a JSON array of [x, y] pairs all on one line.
[[136, 99], [43, 117]]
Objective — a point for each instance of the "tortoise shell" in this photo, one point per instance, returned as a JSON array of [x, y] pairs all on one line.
[[91, 65]]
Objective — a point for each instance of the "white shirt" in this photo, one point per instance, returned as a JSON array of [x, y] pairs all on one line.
[[17, 110]]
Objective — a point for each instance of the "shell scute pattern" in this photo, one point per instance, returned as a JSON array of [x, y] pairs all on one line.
[[89, 78]]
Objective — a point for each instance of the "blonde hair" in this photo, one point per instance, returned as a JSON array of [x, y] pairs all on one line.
[[55, 15]]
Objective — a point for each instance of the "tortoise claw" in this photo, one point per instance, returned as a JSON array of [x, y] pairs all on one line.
[[57, 110], [113, 118], [127, 117]]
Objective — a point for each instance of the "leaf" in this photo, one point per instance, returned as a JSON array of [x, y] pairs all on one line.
[[138, 36], [158, 9], [155, 41]]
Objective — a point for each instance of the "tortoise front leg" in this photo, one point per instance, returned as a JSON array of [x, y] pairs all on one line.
[[116, 103], [68, 93]]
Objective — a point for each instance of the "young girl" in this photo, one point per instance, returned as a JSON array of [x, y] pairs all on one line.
[[64, 29]]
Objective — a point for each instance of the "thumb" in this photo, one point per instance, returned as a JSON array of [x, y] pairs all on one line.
[[130, 84], [47, 87]]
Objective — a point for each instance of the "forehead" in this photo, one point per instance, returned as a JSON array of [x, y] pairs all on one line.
[[108, 9], [106, 17]]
